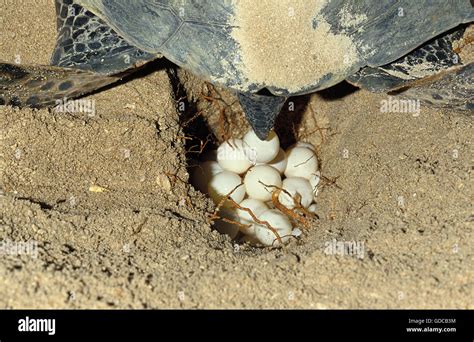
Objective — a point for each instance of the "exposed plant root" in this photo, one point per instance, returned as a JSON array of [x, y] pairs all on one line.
[[328, 182], [175, 178], [198, 148], [292, 213], [213, 96], [225, 219], [234, 204]]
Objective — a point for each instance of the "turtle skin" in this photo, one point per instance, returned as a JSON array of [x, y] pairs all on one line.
[[101, 41]]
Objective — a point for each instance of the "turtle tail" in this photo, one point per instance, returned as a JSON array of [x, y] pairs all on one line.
[[43, 86]]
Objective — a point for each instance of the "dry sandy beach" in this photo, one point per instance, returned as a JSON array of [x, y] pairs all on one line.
[[401, 189]]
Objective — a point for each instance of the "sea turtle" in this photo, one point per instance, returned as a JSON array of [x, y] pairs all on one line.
[[266, 50]]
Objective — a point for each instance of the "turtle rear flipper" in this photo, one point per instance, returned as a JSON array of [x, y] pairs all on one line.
[[435, 71], [42, 86], [451, 89], [86, 42], [88, 55]]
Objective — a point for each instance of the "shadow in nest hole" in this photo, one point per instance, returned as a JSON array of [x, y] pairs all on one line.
[[291, 116], [199, 138], [338, 91]]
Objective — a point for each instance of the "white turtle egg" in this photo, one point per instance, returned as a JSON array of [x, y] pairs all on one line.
[[256, 207], [279, 162], [261, 151], [279, 222], [260, 181], [226, 227], [302, 162], [312, 208], [223, 183], [203, 173], [306, 145], [231, 156], [294, 186]]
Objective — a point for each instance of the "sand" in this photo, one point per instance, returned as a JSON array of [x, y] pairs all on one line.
[[403, 195], [295, 58]]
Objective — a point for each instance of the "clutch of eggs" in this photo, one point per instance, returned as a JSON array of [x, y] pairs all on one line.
[[252, 170]]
